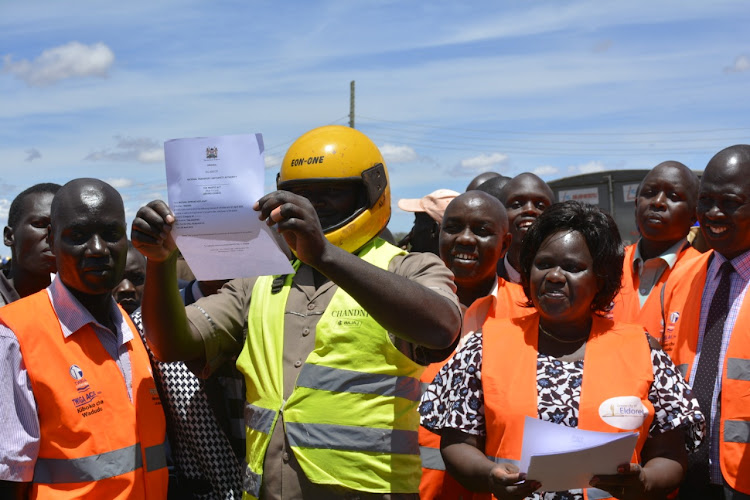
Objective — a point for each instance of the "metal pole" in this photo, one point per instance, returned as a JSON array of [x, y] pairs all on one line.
[[611, 190], [351, 104]]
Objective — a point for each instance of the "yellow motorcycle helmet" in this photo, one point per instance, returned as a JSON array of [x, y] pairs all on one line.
[[338, 154]]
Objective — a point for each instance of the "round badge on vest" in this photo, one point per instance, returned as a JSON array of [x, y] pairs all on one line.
[[623, 412]]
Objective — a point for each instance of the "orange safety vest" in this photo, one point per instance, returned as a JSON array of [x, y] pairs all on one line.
[[627, 304], [436, 484], [682, 304], [94, 442], [617, 362]]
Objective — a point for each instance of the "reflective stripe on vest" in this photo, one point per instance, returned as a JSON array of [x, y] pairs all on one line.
[[156, 457], [499, 460], [738, 369], [259, 419], [737, 431], [98, 467], [431, 458], [347, 437], [326, 378], [251, 482]]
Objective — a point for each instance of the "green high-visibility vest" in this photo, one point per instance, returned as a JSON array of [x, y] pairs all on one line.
[[352, 418]]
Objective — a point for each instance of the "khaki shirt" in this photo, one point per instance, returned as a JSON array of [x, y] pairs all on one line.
[[221, 320]]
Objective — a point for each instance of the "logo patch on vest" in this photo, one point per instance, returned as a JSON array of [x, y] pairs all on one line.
[[668, 341], [86, 403], [623, 412], [349, 317], [82, 384]]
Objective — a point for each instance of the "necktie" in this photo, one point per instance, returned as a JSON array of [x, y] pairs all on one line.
[[708, 369]]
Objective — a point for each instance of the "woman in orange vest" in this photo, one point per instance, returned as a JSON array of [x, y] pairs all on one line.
[[571, 268]]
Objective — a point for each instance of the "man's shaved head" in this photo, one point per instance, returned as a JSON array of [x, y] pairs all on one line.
[[724, 201], [528, 182], [490, 204], [494, 186], [88, 236], [692, 183], [83, 192], [481, 179]]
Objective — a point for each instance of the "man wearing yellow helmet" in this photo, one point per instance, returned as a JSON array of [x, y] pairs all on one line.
[[331, 354]]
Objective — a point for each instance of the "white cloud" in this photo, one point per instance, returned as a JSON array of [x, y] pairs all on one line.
[[140, 149], [587, 168], [546, 170], [272, 161], [71, 60], [120, 183], [32, 154], [397, 154], [469, 167], [742, 63], [483, 162], [151, 156]]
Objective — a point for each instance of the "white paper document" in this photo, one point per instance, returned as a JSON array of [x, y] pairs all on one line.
[[212, 184], [566, 458]]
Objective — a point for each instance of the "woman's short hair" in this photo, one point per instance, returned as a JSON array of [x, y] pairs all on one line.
[[602, 238]]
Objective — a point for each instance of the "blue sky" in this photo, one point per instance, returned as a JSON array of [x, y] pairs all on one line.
[[445, 89]]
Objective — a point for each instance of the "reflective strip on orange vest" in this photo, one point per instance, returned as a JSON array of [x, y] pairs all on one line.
[[737, 431], [431, 458], [738, 369], [98, 467], [500, 460]]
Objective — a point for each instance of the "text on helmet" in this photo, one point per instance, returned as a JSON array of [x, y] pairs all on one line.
[[307, 161]]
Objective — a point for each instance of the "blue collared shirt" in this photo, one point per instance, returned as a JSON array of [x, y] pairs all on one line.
[[19, 436], [738, 288]]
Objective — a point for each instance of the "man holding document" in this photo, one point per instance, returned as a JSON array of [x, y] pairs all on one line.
[[332, 353], [568, 366]]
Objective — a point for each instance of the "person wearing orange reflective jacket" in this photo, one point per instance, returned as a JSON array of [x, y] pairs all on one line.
[[712, 347], [82, 417], [473, 239], [564, 363], [664, 214]]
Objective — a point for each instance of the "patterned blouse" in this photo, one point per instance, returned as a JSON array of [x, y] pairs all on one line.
[[455, 399]]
